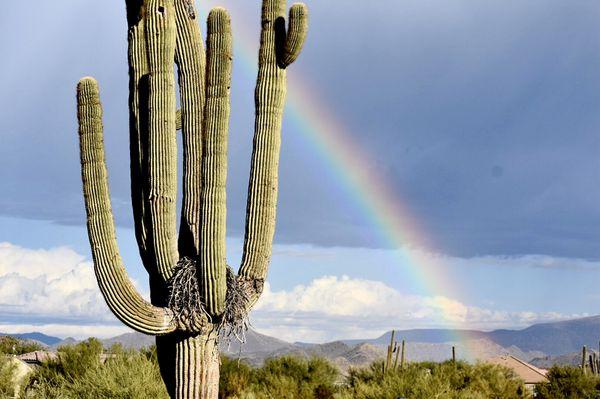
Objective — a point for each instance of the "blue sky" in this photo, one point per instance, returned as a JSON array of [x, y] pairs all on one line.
[[482, 118]]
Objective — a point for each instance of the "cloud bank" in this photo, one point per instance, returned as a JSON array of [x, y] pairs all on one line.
[[342, 307], [55, 291]]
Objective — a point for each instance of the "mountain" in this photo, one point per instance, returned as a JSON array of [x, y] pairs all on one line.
[[569, 359], [259, 347], [432, 336], [36, 336], [542, 342], [132, 340], [553, 338], [549, 338], [65, 342], [255, 342]]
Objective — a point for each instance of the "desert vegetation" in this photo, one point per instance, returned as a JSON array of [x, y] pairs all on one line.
[[79, 371], [87, 370], [7, 372], [15, 346], [566, 382]]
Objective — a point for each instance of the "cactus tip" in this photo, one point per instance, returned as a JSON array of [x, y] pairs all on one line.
[[218, 19], [87, 82], [299, 7]]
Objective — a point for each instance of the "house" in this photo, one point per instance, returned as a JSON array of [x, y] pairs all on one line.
[[527, 372], [36, 358]]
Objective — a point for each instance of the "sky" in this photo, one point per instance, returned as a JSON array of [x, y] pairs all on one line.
[[439, 166]]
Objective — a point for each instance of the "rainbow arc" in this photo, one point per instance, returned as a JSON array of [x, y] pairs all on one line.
[[349, 164]]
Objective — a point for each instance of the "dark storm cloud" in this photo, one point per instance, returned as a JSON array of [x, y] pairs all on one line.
[[482, 117]]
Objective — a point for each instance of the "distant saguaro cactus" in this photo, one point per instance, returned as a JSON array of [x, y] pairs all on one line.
[[195, 297]]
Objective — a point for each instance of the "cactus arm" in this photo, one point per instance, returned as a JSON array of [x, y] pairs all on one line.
[[270, 97], [214, 163], [190, 59], [295, 37], [120, 295], [162, 144], [138, 70]]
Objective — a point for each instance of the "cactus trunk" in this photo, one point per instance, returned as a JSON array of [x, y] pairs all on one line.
[[189, 365], [583, 358], [195, 297], [402, 354]]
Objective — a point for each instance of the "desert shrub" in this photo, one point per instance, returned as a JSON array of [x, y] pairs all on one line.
[[128, 375], [426, 380], [566, 382], [236, 378], [72, 363], [14, 346], [7, 384], [285, 377], [78, 373], [77, 360], [294, 378]]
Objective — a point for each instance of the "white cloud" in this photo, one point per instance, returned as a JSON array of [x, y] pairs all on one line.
[[342, 307], [55, 291], [48, 284]]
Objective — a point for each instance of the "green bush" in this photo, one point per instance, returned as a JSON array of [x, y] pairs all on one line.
[[565, 382], [293, 378], [15, 346], [427, 380], [78, 373], [285, 377], [7, 384], [236, 377]]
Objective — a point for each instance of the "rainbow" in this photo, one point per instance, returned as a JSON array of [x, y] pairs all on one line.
[[348, 165]]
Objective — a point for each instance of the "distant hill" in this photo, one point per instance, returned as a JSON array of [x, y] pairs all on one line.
[[432, 336], [569, 359], [543, 342], [255, 342], [64, 342], [550, 338], [132, 340], [553, 338], [36, 336]]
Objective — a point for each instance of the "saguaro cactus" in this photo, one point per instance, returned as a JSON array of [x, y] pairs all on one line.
[[195, 297]]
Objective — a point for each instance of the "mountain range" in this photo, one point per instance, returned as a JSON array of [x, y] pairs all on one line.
[[544, 344], [555, 338], [37, 337]]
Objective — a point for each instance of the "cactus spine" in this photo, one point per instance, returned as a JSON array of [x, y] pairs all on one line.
[[162, 34]]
